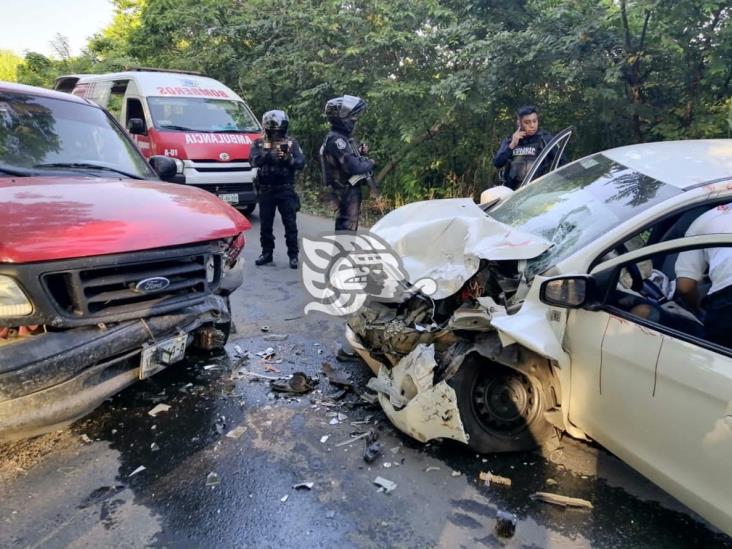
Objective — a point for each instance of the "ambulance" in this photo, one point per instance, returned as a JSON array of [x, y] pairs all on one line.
[[206, 127]]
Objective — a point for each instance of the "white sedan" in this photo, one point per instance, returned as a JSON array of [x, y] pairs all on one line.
[[558, 308]]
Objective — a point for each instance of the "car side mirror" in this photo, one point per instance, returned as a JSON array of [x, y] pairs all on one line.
[[568, 292], [136, 126], [492, 196], [164, 166]]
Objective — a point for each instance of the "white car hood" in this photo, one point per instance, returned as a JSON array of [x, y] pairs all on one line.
[[445, 240]]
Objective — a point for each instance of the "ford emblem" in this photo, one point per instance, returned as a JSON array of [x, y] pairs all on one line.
[[224, 156], [153, 284]]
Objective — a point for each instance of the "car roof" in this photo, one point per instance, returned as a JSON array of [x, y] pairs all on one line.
[[150, 82], [12, 87], [682, 164]]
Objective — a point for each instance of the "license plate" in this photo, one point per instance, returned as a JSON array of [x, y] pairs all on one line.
[[156, 356], [230, 198]]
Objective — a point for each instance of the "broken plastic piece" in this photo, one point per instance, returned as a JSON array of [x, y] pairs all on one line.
[[140, 469], [336, 377], [456, 474], [268, 353], [489, 478], [299, 383], [374, 448], [275, 337], [431, 468], [159, 409], [85, 438], [265, 329], [385, 485], [304, 486], [212, 479], [283, 499], [505, 524], [236, 432], [324, 438], [562, 501], [154, 447]]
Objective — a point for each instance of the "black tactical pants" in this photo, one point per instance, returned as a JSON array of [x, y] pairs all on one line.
[[284, 198], [349, 208]]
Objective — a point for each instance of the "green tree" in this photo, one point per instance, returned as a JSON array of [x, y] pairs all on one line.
[[9, 62]]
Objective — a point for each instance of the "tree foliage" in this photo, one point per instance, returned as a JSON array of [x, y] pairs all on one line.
[[444, 77]]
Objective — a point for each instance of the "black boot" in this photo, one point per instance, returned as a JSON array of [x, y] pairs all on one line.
[[293, 262], [263, 259]]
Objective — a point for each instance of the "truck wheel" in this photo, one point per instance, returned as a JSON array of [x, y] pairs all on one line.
[[248, 209], [212, 337], [502, 410]]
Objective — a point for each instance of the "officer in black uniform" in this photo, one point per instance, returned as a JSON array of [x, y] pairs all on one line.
[[343, 161], [278, 156], [519, 151]]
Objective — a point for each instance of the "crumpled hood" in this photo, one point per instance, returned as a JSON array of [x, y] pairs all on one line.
[[445, 240]]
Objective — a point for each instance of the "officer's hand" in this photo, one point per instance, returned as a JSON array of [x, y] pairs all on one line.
[[280, 154], [517, 136], [363, 149]]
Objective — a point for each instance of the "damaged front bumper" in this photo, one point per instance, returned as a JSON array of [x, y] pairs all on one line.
[[414, 403], [50, 379]]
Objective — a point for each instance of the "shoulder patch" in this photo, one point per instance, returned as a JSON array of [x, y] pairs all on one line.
[[340, 143]]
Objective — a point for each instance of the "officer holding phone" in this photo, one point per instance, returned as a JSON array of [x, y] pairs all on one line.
[[278, 156], [519, 151]]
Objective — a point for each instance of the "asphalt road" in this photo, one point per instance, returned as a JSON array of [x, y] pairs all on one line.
[[220, 464]]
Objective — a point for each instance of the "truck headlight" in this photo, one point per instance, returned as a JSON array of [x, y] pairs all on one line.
[[12, 299]]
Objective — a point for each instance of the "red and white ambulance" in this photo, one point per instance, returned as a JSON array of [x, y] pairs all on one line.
[[197, 120]]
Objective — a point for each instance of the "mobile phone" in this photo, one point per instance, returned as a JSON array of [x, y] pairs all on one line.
[[284, 147]]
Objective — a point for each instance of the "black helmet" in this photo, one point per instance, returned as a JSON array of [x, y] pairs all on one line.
[[345, 107], [342, 112], [275, 122]]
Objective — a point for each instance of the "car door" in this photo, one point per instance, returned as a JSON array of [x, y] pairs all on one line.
[[556, 147], [660, 398]]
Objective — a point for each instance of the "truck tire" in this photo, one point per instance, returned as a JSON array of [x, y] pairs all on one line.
[[247, 209], [502, 409]]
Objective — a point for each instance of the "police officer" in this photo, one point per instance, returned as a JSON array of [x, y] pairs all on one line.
[[519, 151], [343, 161], [278, 156]]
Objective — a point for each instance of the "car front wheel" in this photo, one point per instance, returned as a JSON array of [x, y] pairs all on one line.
[[502, 410]]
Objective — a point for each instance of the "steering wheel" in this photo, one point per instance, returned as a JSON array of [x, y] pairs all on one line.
[[635, 275]]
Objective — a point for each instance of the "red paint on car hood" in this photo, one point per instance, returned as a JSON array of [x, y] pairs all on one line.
[[51, 218]]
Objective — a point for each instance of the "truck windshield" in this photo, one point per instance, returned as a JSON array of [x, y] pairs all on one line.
[[576, 204], [40, 135], [201, 115]]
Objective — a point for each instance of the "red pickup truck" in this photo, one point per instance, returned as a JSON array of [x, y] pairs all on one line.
[[107, 273]]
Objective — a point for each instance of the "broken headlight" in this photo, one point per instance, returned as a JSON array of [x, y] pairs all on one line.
[[234, 250], [13, 301]]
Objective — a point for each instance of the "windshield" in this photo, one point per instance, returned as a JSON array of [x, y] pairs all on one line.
[[201, 115], [574, 205], [39, 135]]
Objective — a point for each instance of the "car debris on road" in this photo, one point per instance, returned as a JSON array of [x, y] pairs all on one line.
[[562, 501]]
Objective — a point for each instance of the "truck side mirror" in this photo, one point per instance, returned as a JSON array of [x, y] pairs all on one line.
[[568, 292], [164, 166], [136, 126]]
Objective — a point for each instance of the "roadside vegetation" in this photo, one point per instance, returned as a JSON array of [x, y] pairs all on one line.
[[442, 77]]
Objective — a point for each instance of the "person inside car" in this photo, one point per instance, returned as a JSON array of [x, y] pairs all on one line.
[[691, 267]]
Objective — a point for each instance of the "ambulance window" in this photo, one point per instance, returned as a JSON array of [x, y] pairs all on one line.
[[134, 110], [116, 98]]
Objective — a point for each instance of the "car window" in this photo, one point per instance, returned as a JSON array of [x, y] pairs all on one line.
[[201, 115], [41, 134], [695, 300]]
